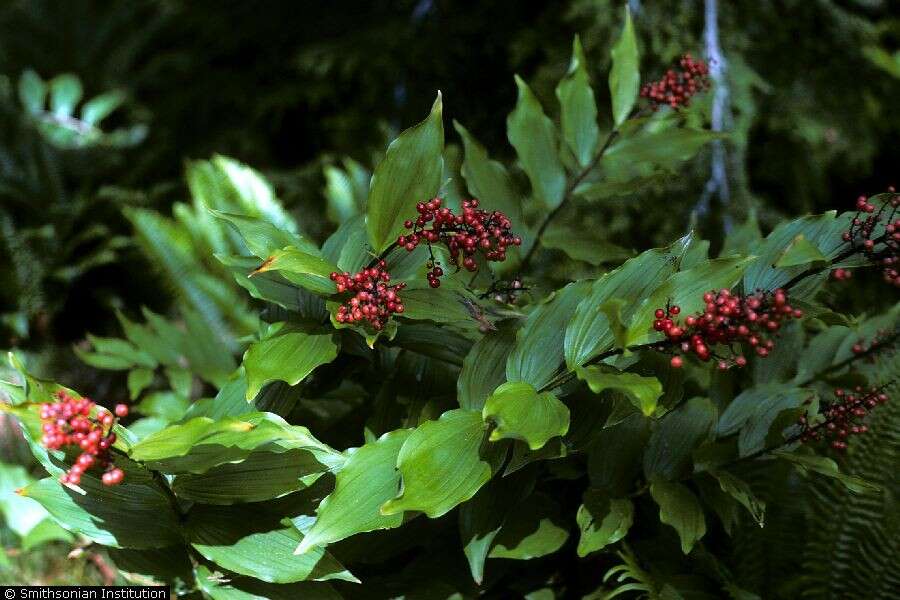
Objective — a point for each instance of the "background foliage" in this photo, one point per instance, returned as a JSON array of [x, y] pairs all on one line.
[[106, 230]]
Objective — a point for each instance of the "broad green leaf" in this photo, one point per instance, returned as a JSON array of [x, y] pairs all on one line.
[[134, 514], [826, 466], [821, 231], [138, 380], [481, 518], [744, 237], [822, 352], [442, 305], [441, 465], [99, 107], [763, 425], [410, 173], [539, 343], [642, 391], [602, 521], [484, 367], [271, 286], [589, 333], [46, 531], [614, 458], [648, 152], [578, 109], [533, 529], [740, 491], [261, 476], [488, 180], [230, 186], [217, 586], [368, 479], [287, 354], [801, 252], [262, 237], [348, 246], [168, 565], [19, 513], [197, 445], [612, 188], [625, 76], [679, 433], [32, 92], [245, 539], [686, 289], [167, 405], [584, 244], [306, 270], [534, 137], [65, 94], [519, 412], [679, 508]]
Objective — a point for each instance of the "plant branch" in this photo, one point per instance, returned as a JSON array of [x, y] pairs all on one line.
[[567, 196]]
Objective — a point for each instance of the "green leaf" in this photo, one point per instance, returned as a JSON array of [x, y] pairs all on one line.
[[99, 107], [744, 237], [167, 405], [680, 432], [368, 479], [441, 465], [261, 476], [20, 514], [306, 270], [602, 521], [481, 518], [822, 231], [740, 491], [32, 92], [65, 93], [578, 109], [197, 445], [589, 332], [534, 137], [169, 565], [138, 380], [533, 529], [410, 173], [488, 180], [217, 586], [679, 508], [521, 413], [262, 237], [134, 514], [801, 252], [625, 76], [826, 466], [642, 391], [484, 367], [582, 243], [249, 541], [230, 186], [614, 458], [287, 354], [686, 289], [755, 411], [539, 343]]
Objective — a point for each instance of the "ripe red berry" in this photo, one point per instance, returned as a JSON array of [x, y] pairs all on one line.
[[121, 410], [373, 300], [68, 422], [677, 87], [676, 362]]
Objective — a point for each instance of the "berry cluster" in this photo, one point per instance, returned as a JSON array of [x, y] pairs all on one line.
[[677, 86], [373, 299], [68, 422], [475, 230], [843, 416], [883, 251], [728, 318]]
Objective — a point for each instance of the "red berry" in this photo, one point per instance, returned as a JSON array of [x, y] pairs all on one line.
[[676, 362], [121, 410]]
